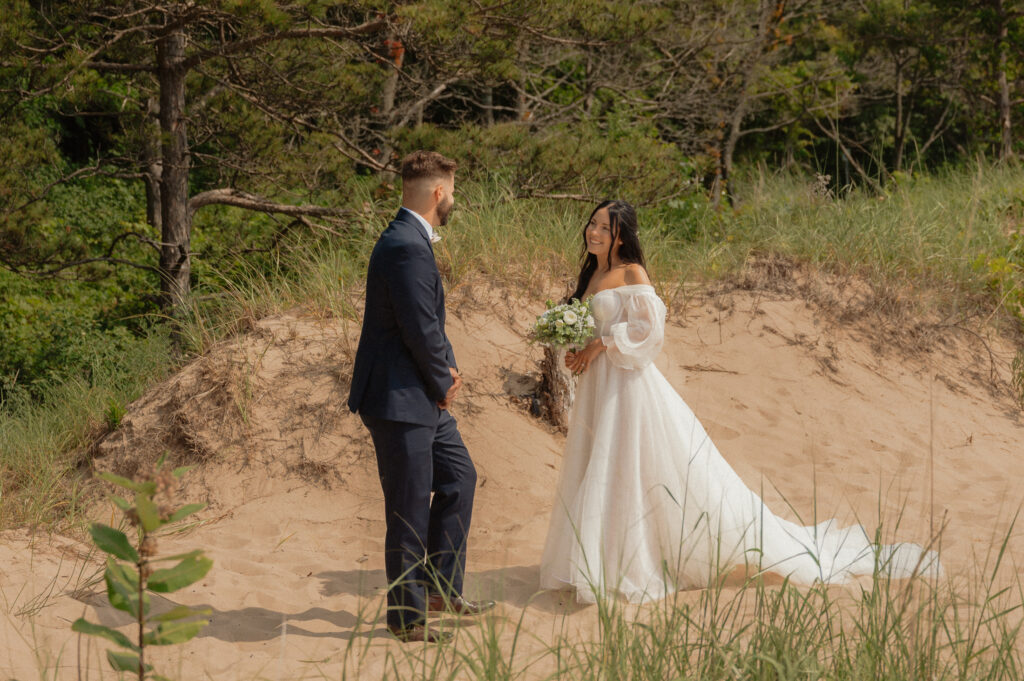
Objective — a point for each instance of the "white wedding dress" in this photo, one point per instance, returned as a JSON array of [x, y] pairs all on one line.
[[646, 505]]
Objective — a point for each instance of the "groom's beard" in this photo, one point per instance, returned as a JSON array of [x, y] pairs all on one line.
[[444, 210]]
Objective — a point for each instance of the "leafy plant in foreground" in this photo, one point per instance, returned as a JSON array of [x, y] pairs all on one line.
[[130, 576]]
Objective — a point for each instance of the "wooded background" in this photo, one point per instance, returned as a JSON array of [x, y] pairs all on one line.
[[126, 128]]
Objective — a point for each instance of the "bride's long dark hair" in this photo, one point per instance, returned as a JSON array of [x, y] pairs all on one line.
[[623, 224]]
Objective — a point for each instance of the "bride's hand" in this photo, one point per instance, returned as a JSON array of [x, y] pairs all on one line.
[[578, 362]]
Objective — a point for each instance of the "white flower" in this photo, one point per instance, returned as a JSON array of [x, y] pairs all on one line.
[[564, 325]]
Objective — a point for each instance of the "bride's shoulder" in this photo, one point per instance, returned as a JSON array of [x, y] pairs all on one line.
[[635, 274]]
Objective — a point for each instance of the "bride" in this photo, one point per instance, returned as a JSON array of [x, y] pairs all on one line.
[[646, 504]]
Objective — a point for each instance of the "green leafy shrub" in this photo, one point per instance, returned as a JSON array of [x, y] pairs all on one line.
[[1005, 278], [59, 327], [54, 335], [130, 576]]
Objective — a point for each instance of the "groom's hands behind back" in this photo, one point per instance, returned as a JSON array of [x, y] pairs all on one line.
[[452, 391]]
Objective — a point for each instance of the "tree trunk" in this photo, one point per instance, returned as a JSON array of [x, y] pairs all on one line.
[[1005, 128], [900, 132], [396, 55], [151, 164], [175, 256], [588, 87], [387, 104], [731, 130], [489, 105], [522, 112], [728, 148], [557, 389]]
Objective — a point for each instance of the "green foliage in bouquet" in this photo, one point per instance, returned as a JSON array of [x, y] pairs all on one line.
[[567, 325], [131, 577]]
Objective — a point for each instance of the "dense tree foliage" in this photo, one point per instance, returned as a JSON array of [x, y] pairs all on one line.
[[122, 122]]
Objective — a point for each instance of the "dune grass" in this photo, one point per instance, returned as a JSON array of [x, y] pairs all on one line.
[[961, 626], [927, 231], [932, 238], [43, 444], [937, 627], [899, 632]]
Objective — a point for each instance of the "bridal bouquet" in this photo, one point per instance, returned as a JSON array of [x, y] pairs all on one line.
[[567, 325]]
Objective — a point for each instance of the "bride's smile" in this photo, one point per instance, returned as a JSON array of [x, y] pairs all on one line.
[[599, 235]]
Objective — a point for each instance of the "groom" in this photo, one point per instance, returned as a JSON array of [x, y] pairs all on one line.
[[403, 382]]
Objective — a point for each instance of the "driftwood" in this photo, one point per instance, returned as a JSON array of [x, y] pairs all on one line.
[[557, 389]]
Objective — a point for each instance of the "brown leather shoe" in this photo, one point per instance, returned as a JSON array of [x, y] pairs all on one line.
[[419, 633], [457, 605]]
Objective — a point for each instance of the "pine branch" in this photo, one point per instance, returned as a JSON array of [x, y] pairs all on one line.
[[240, 199], [241, 45]]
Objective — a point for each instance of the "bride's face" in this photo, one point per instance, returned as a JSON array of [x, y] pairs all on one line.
[[599, 235]]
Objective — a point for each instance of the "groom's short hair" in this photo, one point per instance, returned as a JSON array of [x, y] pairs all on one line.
[[427, 165]]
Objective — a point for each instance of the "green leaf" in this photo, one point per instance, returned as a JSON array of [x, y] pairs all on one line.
[[186, 572], [121, 502], [185, 511], [123, 589], [178, 472], [113, 542], [180, 613], [125, 662], [178, 556], [169, 633], [149, 515], [120, 591], [83, 627], [121, 482]]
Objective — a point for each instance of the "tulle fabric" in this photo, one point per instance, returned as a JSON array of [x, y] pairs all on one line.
[[646, 504]]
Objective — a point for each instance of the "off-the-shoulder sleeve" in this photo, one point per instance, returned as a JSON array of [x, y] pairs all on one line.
[[634, 343]]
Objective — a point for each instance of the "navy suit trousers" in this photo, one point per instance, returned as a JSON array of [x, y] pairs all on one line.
[[428, 481]]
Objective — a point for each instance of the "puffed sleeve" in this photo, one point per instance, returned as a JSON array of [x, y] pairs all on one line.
[[634, 343]]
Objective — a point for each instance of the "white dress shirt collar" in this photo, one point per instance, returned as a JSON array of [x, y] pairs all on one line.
[[434, 238]]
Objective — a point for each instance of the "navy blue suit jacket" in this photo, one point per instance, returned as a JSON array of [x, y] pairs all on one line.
[[402, 363]]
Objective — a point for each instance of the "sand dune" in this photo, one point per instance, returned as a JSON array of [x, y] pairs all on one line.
[[826, 418]]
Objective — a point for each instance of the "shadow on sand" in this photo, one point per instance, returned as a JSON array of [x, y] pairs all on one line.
[[515, 587]]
